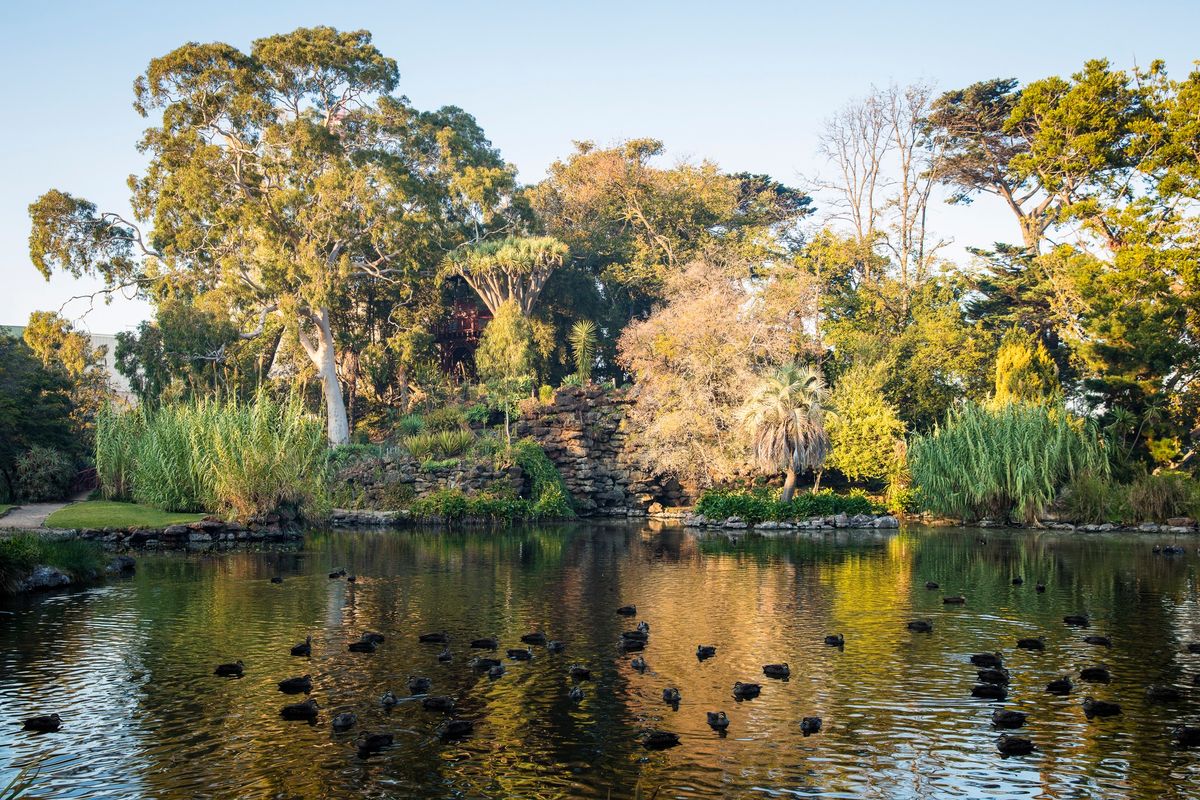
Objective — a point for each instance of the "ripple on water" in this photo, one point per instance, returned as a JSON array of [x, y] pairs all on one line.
[[129, 665]]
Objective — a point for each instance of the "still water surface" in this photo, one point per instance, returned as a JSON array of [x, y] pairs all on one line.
[[129, 667]]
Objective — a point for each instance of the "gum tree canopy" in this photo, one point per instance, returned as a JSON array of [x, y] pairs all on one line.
[[282, 179]]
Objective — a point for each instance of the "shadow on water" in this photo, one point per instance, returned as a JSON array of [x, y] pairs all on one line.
[[129, 667]]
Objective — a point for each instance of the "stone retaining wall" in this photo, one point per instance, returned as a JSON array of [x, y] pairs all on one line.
[[583, 431], [383, 482]]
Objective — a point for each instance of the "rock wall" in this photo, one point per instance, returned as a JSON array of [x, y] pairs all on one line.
[[583, 431], [388, 481]]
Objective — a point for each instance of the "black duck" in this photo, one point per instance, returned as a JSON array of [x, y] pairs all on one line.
[[233, 670], [931, 585], [496, 672], [635, 636], [418, 684], [43, 723], [555, 646], [1032, 643], [296, 685], [639, 664], [1003, 718], [485, 663], [1162, 694], [1186, 736], [1077, 620], [337, 573], [989, 691], [954, 600], [1060, 686], [1102, 641], [998, 675], [389, 700], [1100, 708], [1193, 647], [371, 743], [1014, 745], [746, 691], [486, 643], [516, 654], [307, 710], [578, 672], [659, 740], [632, 645], [304, 648], [344, 721], [671, 696], [372, 636], [921, 626], [438, 702], [835, 640], [437, 637], [987, 660], [362, 646], [777, 670], [277, 579], [575, 695], [445, 655], [537, 637], [1040, 588], [704, 651], [1018, 581], [627, 611], [1095, 674], [717, 720], [455, 728], [810, 725]]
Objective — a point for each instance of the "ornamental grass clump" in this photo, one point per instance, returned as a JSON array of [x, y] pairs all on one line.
[[238, 458], [1007, 462]]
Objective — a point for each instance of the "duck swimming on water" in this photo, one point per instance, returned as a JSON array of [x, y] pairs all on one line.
[[835, 640], [304, 648], [671, 696], [233, 670], [296, 685], [781, 671], [43, 723], [810, 725], [704, 651], [717, 720]]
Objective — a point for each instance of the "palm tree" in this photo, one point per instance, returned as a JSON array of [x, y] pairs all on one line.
[[786, 423]]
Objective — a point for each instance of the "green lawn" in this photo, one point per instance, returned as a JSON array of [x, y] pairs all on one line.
[[108, 514], [4, 509]]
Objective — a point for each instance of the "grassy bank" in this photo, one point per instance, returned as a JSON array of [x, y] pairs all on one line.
[[20, 554], [112, 514], [4, 509]]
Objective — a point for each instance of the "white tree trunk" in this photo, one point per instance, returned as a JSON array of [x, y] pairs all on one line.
[[321, 353]]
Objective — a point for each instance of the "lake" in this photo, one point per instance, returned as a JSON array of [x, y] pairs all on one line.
[[129, 666]]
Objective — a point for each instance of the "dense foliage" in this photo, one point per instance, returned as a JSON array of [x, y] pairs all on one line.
[[22, 552], [242, 459], [756, 506], [1007, 462]]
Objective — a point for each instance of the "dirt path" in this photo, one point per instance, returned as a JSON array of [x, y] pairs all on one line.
[[32, 515]]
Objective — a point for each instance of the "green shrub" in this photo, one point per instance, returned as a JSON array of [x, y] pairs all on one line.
[[545, 394], [1159, 497], [452, 505], [410, 425], [434, 464], [1089, 498], [448, 504], [345, 454], [549, 493], [758, 505], [478, 414], [21, 553], [1004, 462], [574, 379], [43, 474], [446, 418]]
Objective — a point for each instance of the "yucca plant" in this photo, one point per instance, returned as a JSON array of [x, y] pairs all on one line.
[[449, 444], [1003, 462], [583, 346], [420, 446], [410, 424]]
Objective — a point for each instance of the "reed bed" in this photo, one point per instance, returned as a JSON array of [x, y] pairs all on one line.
[[1008, 462], [238, 458]]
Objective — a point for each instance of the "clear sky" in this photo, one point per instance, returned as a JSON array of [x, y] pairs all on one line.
[[746, 84]]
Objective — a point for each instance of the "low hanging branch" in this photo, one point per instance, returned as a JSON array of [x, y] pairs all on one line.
[[513, 269]]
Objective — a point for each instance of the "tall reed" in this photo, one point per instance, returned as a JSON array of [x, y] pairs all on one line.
[[1004, 462], [243, 459]]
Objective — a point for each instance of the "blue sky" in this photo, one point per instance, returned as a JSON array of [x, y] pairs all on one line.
[[746, 84]]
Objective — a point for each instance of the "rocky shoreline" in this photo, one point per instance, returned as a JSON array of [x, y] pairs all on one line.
[[860, 521]]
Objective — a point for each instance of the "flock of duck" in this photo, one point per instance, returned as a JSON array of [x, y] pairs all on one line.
[[992, 676]]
